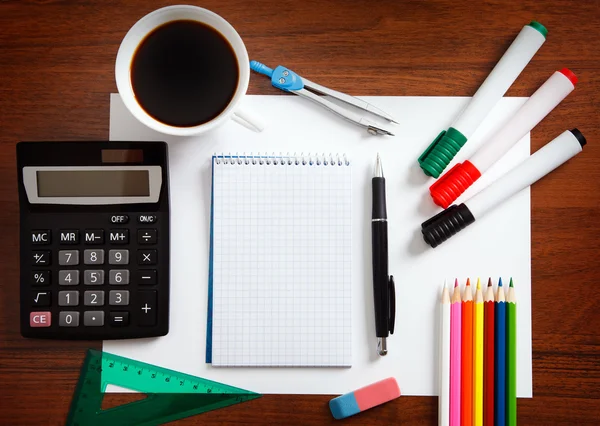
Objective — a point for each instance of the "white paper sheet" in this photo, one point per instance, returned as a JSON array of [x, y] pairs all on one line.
[[496, 245]]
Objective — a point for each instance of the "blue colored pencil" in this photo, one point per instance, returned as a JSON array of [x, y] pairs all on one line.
[[500, 347]]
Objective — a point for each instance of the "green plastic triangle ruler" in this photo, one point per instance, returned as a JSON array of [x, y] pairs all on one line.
[[171, 395]]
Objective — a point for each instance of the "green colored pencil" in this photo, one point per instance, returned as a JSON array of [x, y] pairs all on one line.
[[511, 356]]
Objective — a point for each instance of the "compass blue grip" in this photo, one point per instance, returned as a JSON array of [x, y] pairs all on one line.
[[261, 68]]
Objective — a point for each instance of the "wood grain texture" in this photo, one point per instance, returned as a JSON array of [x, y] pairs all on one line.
[[56, 73]]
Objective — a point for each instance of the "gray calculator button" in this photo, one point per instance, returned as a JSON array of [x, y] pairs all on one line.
[[93, 257], [93, 318], [118, 257], [118, 276], [68, 319], [68, 298], [93, 277], [68, 277], [93, 298], [118, 297], [68, 257]]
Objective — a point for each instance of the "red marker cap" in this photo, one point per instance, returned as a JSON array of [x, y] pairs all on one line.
[[570, 75], [450, 186]]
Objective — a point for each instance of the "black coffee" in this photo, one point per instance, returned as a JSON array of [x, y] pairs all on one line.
[[184, 73]]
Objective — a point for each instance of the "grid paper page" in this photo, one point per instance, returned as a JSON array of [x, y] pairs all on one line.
[[281, 262]]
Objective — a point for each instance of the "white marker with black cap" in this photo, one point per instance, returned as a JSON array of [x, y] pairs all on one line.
[[455, 218]]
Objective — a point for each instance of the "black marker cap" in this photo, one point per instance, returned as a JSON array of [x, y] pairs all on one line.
[[445, 224], [579, 136]]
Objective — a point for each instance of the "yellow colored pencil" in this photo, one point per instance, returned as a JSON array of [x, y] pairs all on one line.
[[478, 357]]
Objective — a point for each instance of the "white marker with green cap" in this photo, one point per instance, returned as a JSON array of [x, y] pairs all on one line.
[[447, 144]]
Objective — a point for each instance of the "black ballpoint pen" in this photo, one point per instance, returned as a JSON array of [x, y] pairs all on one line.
[[384, 293]]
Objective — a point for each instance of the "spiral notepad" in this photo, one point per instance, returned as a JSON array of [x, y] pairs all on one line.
[[280, 273]]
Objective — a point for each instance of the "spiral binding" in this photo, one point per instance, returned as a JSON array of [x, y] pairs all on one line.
[[282, 160]]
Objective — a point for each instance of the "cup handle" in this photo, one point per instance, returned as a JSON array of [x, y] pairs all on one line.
[[248, 120]]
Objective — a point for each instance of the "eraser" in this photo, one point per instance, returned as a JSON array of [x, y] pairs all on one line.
[[364, 398]]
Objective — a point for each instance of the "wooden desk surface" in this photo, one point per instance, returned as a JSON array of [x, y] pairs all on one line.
[[56, 73]]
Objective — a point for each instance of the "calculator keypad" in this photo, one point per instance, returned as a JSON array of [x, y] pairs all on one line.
[[94, 276]]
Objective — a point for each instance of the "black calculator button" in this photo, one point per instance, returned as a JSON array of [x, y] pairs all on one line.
[[146, 277], [40, 258], [118, 236], [118, 219], [146, 236], [93, 298], [41, 237], [93, 277], [41, 298], [93, 257], [68, 319], [94, 236], [93, 318], [68, 298], [68, 277], [118, 298], [118, 276], [118, 257], [146, 308], [119, 319], [68, 257], [69, 236], [147, 218], [40, 278], [146, 257]]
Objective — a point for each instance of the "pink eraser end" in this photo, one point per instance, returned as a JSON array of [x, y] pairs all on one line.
[[364, 398]]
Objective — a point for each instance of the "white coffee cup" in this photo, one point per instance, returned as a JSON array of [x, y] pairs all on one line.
[[149, 23]]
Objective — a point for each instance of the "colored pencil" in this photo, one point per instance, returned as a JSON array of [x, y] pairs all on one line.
[[466, 382], [478, 357], [500, 362], [455, 347], [444, 394], [511, 356], [488, 356]]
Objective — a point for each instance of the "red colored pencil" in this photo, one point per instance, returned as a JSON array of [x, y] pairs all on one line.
[[488, 356], [466, 383]]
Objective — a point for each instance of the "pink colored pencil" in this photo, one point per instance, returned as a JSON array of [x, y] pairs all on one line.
[[455, 360]]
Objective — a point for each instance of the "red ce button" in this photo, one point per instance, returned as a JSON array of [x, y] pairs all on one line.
[[39, 319]]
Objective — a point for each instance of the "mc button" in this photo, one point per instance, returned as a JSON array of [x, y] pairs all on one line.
[[41, 236]]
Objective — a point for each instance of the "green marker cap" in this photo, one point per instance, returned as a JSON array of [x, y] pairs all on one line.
[[539, 27], [441, 151]]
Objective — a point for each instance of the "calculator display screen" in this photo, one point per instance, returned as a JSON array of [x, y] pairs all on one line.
[[93, 183]]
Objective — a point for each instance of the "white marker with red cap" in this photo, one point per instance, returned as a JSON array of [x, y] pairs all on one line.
[[450, 186]]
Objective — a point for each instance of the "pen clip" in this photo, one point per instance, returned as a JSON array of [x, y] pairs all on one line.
[[392, 312]]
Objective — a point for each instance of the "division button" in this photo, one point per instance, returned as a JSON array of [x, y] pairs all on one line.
[[146, 236]]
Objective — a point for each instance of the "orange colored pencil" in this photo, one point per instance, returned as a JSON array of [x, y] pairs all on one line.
[[466, 409]]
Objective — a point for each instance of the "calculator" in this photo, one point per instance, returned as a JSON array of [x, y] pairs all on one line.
[[94, 239]]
